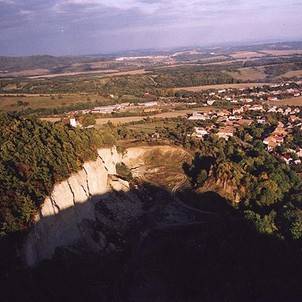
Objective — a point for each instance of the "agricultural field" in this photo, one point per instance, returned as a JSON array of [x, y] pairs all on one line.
[[247, 55], [249, 74], [63, 84], [297, 101], [288, 52], [21, 102], [103, 73], [170, 114], [219, 86], [291, 74]]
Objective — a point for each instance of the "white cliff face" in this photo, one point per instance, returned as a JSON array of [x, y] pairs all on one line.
[[61, 218], [68, 215]]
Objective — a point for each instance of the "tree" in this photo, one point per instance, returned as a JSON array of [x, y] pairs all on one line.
[[88, 120], [201, 177]]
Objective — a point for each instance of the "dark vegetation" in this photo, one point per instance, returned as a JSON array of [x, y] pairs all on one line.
[[123, 171], [218, 258], [43, 61], [35, 155]]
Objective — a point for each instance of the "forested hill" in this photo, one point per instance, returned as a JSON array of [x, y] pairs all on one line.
[[33, 156], [11, 64]]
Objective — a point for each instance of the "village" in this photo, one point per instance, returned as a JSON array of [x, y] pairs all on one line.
[[226, 123], [206, 98], [225, 112]]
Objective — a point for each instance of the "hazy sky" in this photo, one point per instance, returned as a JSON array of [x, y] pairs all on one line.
[[95, 26]]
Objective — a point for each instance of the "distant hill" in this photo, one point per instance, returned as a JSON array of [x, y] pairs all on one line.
[[13, 64]]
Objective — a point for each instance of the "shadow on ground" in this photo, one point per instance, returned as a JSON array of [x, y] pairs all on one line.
[[166, 252]]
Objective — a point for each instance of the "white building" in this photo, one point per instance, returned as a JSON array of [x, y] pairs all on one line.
[[200, 132], [73, 123], [198, 116], [210, 103]]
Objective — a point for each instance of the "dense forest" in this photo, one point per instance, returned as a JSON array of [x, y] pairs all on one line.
[[35, 155], [269, 190], [41, 61]]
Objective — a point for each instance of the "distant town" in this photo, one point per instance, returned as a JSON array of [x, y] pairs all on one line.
[[226, 111]]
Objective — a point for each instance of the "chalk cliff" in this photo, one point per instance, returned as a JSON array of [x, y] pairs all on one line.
[[72, 202], [68, 216]]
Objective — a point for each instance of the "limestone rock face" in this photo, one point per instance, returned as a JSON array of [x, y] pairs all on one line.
[[67, 211], [110, 157], [68, 217]]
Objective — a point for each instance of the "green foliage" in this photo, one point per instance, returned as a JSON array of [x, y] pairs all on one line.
[[293, 220], [266, 186], [264, 224], [88, 120], [35, 155], [123, 171], [202, 177]]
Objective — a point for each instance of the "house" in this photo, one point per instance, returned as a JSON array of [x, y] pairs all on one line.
[[256, 108], [211, 102], [287, 158], [271, 98], [233, 118], [299, 153], [273, 109], [73, 123], [150, 104], [238, 111], [270, 142], [226, 132], [287, 111], [243, 122], [261, 121], [200, 132], [248, 100], [293, 118], [104, 109], [198, 116], [273, 141]]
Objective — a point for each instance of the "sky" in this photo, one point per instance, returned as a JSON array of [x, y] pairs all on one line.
[[72, 27]]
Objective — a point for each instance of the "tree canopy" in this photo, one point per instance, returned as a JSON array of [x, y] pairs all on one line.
[[35, 155]]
